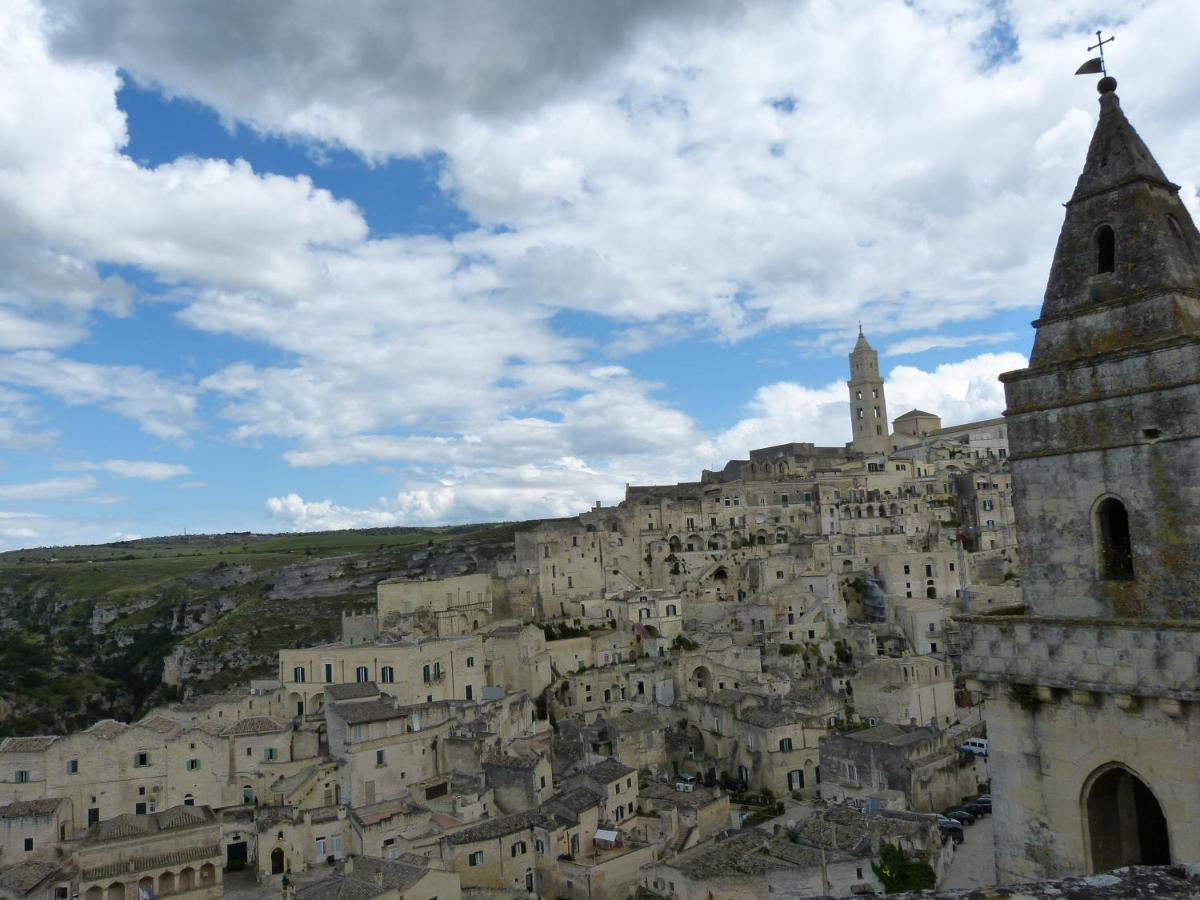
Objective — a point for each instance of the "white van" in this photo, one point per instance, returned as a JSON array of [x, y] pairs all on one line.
[[977, 746]]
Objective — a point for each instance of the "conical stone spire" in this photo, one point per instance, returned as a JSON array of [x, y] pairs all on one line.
[[1117, 155], [1127, 243]]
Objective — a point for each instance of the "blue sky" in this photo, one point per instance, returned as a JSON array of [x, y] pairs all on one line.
[[467, 262]]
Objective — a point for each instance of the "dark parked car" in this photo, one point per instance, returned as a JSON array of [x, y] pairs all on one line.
[[951, 828], [960, 815], [978, 808]]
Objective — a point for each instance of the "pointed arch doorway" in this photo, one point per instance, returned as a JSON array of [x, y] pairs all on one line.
[[1123, 821]]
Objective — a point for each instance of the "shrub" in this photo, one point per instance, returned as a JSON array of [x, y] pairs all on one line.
[[1025, 696], [899, 874]]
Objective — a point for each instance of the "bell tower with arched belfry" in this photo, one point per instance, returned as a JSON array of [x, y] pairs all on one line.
[[1093, 689], [868, 406]]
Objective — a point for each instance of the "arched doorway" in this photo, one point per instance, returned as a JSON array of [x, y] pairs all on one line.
[[277, 861], [1124, 823], [701, 678]]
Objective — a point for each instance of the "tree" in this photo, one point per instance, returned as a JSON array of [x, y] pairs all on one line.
[[899, 874]]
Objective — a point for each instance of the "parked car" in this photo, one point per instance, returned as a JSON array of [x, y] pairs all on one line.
[[960, 815], [951, 828], [978, 806], [976, 746]]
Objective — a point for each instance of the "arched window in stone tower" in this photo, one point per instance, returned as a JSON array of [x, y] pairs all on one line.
[[1106, 249], [1112, 538]]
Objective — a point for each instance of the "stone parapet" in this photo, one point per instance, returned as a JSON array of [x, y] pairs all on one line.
[[1131, 657]]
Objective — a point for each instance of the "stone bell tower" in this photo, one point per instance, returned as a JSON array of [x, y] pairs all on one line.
[[868, 406], [1093, 693]]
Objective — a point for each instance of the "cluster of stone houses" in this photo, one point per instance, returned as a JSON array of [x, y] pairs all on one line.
[[584, 719]]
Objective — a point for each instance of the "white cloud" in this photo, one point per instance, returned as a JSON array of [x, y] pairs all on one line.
[[378, 76], [49, 489], [19, 422], [640, 173], [922, 342], [163, 408], [146, 470], [467, 488]]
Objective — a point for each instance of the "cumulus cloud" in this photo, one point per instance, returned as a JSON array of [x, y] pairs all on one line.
[[375, 75], [779, 413], [676, 171]]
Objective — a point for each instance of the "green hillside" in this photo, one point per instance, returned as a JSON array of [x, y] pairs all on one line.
[[84, 630]]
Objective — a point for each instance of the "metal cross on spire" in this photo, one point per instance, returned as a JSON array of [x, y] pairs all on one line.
[[1096, 63], [1099, 45]]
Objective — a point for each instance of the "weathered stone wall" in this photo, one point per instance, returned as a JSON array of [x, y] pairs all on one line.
[[1143, 449], [1043, 752], [1158, 659]]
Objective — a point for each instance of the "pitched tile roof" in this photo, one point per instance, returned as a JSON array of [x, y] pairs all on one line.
[[26, 809], [365, 877], [24, 877], [364, 711], [255, 725], [608, 770], [357, 690], [135, 825], [34, 744]]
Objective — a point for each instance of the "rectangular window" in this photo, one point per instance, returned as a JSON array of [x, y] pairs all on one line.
[[193, 765], [139, 809], [785, 744], [320, 848], [22, 776], [141, 760], [475, 859], [380, 759], [269, 754], [28, 845], [72, 767], [329, 673], [470, 662]]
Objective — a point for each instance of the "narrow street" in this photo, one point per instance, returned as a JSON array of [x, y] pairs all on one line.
[[974, 863]]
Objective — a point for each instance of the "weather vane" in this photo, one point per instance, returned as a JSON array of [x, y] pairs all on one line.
[[1096, 63]]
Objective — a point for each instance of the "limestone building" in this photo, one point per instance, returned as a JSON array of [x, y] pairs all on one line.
[[1092, 718]]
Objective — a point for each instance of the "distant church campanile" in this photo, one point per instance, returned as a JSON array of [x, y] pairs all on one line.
[[868, 407], [1093, 691]]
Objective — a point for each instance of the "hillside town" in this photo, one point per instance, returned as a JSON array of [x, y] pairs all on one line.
[[619, 706], [793, 676]]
